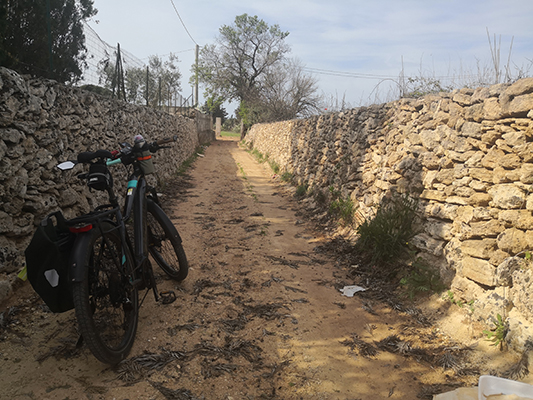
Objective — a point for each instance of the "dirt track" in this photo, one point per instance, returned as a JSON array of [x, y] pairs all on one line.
[[259, 317]]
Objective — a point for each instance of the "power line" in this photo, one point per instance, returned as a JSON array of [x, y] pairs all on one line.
[[347, 74], [179, 16]]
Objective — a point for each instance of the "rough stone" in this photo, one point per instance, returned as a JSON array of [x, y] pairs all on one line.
[[478, 270]]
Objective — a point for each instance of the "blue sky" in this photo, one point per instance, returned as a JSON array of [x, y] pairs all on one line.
[[434, 37]]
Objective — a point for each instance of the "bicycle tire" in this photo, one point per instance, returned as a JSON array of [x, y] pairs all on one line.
[[106, 304], [164, 243]]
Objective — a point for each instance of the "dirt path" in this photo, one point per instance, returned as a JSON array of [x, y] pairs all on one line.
[[259, 317]]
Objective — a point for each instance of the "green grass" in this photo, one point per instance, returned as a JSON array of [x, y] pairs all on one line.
[[185, 165], [230, 134]]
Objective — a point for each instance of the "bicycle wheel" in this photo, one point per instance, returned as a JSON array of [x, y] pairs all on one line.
[[105, 301], [164, 243]]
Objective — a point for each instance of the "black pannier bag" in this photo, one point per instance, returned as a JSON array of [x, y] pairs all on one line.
[[47, 263]]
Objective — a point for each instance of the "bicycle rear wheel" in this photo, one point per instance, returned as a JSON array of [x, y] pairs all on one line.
[[105, 301], [164, 243]]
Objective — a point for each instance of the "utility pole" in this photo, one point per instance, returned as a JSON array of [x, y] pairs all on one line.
[[196, 77]]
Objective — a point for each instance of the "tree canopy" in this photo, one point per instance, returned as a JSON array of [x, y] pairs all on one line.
[[248, 63], [243, 53], [44, 38]]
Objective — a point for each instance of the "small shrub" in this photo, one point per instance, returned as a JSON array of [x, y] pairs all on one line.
[[498, 333], [301, 190], [421, 278], [319, 196], [274, 166], [386, 236], [286, 177], [343, 209]]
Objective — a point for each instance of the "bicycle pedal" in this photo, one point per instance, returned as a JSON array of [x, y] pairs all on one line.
[[168, 297]]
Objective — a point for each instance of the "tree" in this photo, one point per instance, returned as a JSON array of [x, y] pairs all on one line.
[[214, 107], [248, 63], [288, 93], [243, 53], [45, 38], [163, 80]]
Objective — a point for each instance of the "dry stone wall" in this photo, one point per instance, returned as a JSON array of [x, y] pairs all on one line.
[[43, 123], [468, 157]]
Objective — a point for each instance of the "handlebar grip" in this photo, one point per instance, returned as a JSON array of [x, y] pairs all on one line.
[[167, 140]]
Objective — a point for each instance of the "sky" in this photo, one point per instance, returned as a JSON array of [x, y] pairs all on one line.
[[356, 49]]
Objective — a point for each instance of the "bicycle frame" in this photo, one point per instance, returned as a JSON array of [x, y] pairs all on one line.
[[136, 206]]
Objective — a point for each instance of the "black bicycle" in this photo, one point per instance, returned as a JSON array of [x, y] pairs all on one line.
[[108, 263]]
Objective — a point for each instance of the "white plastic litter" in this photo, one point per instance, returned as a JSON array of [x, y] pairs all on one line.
[[349, 291], [492, 387]]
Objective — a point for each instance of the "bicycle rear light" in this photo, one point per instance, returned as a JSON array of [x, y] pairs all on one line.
[[81, 228]]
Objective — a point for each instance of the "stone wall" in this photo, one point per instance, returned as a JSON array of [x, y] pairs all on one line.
[[468, 157], [43, 123]]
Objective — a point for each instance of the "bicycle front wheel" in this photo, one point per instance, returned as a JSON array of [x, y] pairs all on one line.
[[164, 243], [105, 301]]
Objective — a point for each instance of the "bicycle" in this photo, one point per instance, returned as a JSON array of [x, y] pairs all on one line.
[[107, 269]]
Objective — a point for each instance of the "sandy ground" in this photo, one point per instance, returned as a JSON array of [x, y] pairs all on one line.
[[260, 315]]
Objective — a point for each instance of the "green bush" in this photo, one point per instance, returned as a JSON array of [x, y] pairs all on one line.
[[343, 209], [301, 190], [286, 177], [385, 238]]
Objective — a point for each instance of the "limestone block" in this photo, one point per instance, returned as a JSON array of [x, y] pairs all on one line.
[[479, 199], [490, 304], [463, 201], [464, 191], [526, 173], [428, 244], [513, 241], [507, 196], [479, 248], [441, 211], [514, 138], [492, 109], [505, 270], [474, 113], [478, 186], [522, 86], [490, 137], [464, 214], [497, 157], [466, 290], [521, 219], [453, 255], [433, 195], [481, 174], [498, 256], [472, 129], [429, 160], [474, 159], [439, 229], [431, 139], [478, 270], [521, 293], [446, 176], [483, 229], [520, 105]]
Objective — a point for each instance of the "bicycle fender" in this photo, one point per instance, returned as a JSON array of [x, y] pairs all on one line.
[[77, 260], [156, 209]]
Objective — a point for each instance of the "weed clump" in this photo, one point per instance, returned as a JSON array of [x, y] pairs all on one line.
[[385, 237], [341, 208]]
